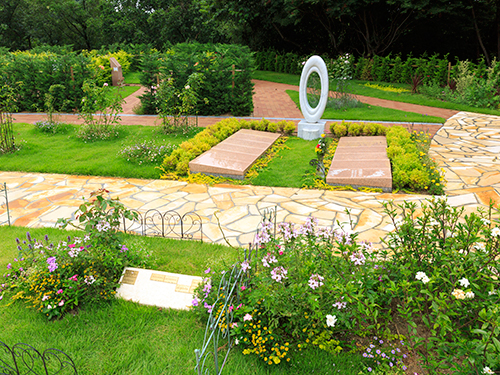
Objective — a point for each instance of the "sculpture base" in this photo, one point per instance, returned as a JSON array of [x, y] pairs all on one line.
[[310, 130]]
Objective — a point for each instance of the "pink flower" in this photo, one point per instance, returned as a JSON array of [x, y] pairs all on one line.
[[239, 306], [59, 291], [243, 287], [71, 245], [280, 253], [247, 317], [105, 84], [61, 303], [74, 278]]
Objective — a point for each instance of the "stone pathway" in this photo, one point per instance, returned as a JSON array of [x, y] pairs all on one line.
[[466, 147]]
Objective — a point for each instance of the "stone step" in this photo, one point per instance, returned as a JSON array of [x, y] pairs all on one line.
[[361, 162], [157, 288]]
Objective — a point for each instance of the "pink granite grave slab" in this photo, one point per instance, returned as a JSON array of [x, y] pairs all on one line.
[[361, 162], [235, 155]]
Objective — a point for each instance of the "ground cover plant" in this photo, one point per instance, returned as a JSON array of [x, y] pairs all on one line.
[[433, 292], [125, 156]]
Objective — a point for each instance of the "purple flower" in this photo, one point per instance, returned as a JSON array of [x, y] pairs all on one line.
[[9, 266], [195, 302], [207, 270]]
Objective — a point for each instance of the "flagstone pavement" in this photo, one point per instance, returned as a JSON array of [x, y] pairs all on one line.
[[466, 147]]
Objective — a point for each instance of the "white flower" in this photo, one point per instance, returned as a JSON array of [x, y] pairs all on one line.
[[236, 341], [187, 87], [487, 370], [464, 282], [492, 292], [479, 246], [495, 232], [485, 221], [469, 295], [331, 320], [422, 277]]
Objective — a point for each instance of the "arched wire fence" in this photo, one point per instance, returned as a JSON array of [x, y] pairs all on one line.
[[23, 359], [217, 341], [168, 224], [4, 203]]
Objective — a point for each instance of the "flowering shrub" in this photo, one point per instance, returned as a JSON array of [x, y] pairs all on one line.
[[433, 291], [147, 152], [55, 279], [174, 105], [443, 269], [100, 112]]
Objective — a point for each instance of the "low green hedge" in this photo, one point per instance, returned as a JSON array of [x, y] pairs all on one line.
[[178, 162], [412, 168]]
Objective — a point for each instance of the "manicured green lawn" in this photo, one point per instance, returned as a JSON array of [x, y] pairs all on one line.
[[291, 165], [124, 91], [132, 78], [126, 338], [50, 153], [371, 113]]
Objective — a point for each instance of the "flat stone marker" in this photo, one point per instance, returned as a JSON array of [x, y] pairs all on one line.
[[361, 162], [157, 288], [235, 155]]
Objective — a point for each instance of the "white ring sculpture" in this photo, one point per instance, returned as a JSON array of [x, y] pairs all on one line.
[[313, 64]]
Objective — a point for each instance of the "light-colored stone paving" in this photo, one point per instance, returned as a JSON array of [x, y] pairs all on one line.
[[466, 147]]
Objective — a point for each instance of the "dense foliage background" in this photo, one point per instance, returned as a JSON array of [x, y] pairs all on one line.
[[466, 29]]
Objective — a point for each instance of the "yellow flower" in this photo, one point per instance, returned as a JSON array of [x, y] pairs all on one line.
[[323, 135]]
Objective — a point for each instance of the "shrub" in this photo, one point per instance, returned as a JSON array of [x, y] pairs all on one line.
[[215, 62], [58, 279], [338, 129], [34, 73], [100, 112], [436, 284]]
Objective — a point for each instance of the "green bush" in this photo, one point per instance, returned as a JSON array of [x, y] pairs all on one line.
[[215, 62], [434, 292], [34, 74]]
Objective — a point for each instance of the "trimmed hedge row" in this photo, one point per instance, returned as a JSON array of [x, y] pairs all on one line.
[[32, 75], [390, 68], [178, 161], [227, 71]]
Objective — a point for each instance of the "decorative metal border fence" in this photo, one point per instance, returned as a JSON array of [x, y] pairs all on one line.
[[217, 340], [3, 189], [24, 359], [169, 224]]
